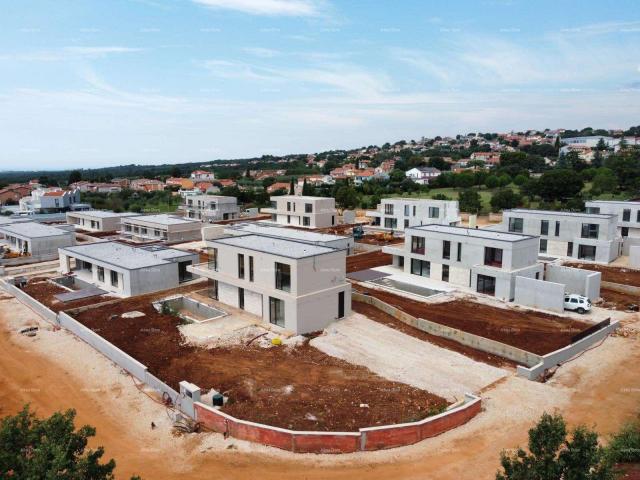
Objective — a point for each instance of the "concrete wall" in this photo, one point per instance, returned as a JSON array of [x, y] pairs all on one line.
[[575, 280], [29, 301], [629, 244], [558, 357], [365, 439], [539, 294], [634, 256]]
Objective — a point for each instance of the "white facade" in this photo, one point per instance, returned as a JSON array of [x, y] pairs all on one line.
[[211, 208], [126, 270], [35, 239], [484, 260], [296, 286], [166, 228], [628, 214], [584, 236], [423, 175], [301, 211], [49, 200], [97, 220], [396, 214]]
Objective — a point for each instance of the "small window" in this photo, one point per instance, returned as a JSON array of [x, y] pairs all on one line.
[[388, 209], [543, 245], [288, 206], [240, 265], [101, 274], [251, 268], [626, 215], [557, 232], [308, 208], [417, 245], [407, 210], [283, 277], [544, 227], [406, 223], [306, 221], [434, 212], [459, 255], [446, 249], [114, 278], [570, 249], [590, 230]]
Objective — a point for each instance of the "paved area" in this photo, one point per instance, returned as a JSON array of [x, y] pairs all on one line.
[[397, 356]]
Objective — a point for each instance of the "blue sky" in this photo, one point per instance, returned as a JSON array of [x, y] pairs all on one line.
[[94, 83]]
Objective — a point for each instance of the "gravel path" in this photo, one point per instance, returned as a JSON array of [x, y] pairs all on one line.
[[400, 357]]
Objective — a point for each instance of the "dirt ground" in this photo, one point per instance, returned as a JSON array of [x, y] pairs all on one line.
[[379, 316], [592, 390], [529, 330], [363, 261], [44, 291], [299, 388], [97, 234], [626, 276], [617, 300], [375, 240]]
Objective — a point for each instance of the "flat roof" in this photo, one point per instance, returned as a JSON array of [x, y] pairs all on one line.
[[621, 202], [127, 256], [473, 232], [417, 199], [33, 230], [275, 246], [560, 213], [103, 213], [302, 197], [164, 219], [283, 232]]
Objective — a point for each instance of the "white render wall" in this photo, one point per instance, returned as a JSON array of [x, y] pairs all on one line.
[[415, 212], [290, 210], [617, 208]]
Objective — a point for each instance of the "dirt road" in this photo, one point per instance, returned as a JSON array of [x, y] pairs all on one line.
[[598, 389]]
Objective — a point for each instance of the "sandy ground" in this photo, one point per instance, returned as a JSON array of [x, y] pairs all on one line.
[[56, 371], [397, 356]]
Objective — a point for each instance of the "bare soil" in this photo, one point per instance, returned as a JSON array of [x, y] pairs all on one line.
[[374, 240], [363, 261], [617, 300], [43, 291], [529, 330], [299, 388], [626, 276], [97, 234], [373, 313]]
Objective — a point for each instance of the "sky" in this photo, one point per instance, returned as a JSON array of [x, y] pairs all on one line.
[[90, 83]]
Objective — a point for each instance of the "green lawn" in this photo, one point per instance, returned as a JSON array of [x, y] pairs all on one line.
[[452, 193]]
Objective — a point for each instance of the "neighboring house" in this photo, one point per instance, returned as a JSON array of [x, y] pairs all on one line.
[[98, 220], [486, 261], [399, 213], [211, 208], [628, 215], [147, 185], [51, 200], [303, 211], [490, 158], [162, 227], [314, 238], [423, 175], [36, 239], [584, 236], [279, 280], [202, 176], [226, 182], [13, 193], [274, 187], [183, 183], [123, 182], [127, 270]]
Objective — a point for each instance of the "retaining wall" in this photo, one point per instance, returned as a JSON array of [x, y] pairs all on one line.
[[464, 338], [39, 308], [622, 288], [559, 357], [628, 244], [634, 256], [539, 294], [365, 439], [575, 280]]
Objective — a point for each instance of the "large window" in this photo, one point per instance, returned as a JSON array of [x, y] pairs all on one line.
[[515, 225], [420, 267], [240, 265], [114, 278], [283, 277], [486, 285], [213, 258], [434, 212], [417, 245], [544, 227], [587, 252], [390, 223], [493, 257], [306, 221], [589, 230], [276, 311], [543, 245], [388, 208], [100, 274], [626, 215], [446, 249], [592, 209], [308, 208]]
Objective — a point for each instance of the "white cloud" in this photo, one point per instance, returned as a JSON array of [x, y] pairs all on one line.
[[261, 52], [292, 8]]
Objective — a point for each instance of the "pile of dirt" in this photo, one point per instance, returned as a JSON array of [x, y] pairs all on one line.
[[364, 261], [373, 313], [535, 332], [299, 388], [626, 276]]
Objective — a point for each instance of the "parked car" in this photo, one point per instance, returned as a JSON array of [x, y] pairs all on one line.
[[577, 303]]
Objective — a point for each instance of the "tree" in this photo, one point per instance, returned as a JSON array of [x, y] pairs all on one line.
[[552, 455], [492, 182], [559, 184], [307, 189], [520, 179], [50, 448], [292, 187], [465, 180], [605, 181], [176, 172], [75, 176], [504, 199], [346, 197], [470, 201]]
